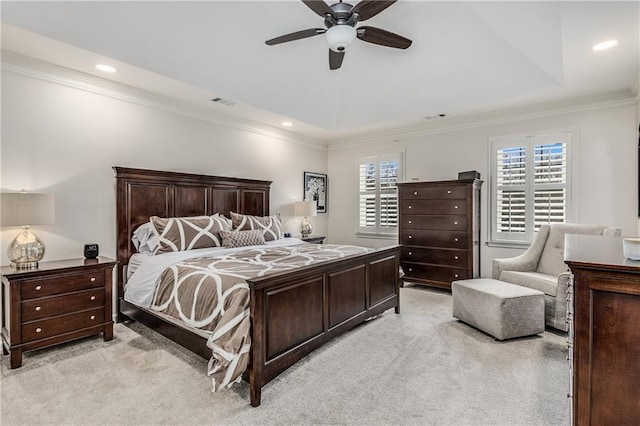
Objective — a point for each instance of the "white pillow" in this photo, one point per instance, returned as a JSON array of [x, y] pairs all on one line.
[[144, 238]]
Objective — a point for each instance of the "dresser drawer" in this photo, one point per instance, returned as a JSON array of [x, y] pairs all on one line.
[[61, 305], [42, 329], [437, 207], [443, 192], [444, 222], [62, 284], [431, 238], [456, 258], [443, 274]]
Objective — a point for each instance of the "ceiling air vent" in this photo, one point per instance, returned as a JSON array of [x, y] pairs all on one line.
[[223, 101]]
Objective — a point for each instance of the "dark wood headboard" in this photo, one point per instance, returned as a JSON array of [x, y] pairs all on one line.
[[143, 193]]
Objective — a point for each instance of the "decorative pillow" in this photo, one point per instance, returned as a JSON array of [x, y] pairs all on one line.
[[242, 238], [269, 225], [144, 238], [187, 233]]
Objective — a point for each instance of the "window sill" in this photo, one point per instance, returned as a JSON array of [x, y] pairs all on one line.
[[509, 244], [377, 236]]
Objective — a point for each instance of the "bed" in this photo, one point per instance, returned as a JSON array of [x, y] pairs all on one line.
[[291, 312]]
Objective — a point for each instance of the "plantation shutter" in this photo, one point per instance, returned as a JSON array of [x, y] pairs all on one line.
[[529, 185], [378, 193]]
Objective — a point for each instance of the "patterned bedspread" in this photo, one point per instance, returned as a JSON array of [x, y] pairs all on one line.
[[212, 294]]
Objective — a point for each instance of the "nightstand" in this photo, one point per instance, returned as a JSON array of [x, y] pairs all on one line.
[[57, 302], [313, 240]]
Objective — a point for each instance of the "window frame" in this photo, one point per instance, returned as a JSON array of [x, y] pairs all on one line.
[[567, 135], [377, 231]]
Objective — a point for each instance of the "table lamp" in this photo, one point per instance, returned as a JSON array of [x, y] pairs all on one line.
[[305, 208], [26, 209]]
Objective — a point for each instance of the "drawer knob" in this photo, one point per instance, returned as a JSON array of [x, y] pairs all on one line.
[[38, 308], [410, 253], [455, 207], [409, 206], [93, 298], [455, 239], [415, 193], [455, 257], [38, 330], [410, 269], [93, 279], [449, 192], [38, 287], [93, 317], [410, 221], [455, 223], [455, 276], [410, 237]]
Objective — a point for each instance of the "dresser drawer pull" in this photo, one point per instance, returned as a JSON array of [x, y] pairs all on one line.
[[409, 206], [410, 269], [455, 275], [38, 330], [455, 257], [455, 207], [410, 221], [93, 279], [455, 223], [38, 308], [449, 192], [93, 317], [455, 239], [410, 237], [93, 298], [38, 287], [415, 192], [410, 253]]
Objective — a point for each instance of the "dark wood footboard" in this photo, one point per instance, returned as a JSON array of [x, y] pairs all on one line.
[[296, 312]]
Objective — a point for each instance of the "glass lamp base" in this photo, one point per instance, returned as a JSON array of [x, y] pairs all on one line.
[[305, 228], [26, 250]]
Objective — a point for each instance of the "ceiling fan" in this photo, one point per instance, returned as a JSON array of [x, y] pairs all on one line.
[[340, 20]]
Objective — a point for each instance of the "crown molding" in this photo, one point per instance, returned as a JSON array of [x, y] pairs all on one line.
[[35, 68], [495, 117]]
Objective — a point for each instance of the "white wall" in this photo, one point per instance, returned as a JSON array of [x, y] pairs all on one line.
[[604, 172], [61, 140]]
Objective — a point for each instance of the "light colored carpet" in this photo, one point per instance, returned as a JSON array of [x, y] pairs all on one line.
[[419, 367]]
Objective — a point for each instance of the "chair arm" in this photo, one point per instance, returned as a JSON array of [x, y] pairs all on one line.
[[563, 285], [525, 262]]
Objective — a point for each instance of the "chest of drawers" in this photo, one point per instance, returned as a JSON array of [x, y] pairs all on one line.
[[439, 230], [55, 303]]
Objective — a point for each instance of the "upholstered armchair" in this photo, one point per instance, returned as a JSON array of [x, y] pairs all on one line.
[[542, 267]]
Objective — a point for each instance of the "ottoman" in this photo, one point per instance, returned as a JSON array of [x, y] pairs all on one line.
[[500, 309]]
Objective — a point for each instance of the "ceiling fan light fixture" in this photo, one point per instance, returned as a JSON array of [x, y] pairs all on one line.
[[340, 36]]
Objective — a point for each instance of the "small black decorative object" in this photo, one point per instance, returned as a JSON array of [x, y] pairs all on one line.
[[91, 250]]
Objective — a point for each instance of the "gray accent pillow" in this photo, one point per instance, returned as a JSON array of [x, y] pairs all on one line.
[[270, 226], [188, 233], [242, 238]]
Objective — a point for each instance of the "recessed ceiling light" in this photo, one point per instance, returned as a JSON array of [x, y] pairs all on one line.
[[287, 123], [106, 68], [605, 45]]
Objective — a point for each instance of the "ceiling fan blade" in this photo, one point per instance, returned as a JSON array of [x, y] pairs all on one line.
[[370, 8], [335, 59], [296, 36], [319, 7], [383, 37]]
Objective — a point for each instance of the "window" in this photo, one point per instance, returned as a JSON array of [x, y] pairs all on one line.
[[378, 177], [530, 185]]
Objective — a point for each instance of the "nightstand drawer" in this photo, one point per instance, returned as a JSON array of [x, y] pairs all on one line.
[[61, 305], [37, 330], [62, 284]]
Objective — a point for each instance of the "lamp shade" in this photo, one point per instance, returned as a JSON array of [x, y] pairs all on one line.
[[25, 209], [304, 208]]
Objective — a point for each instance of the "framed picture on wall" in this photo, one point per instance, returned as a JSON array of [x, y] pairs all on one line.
[[315, 189]]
